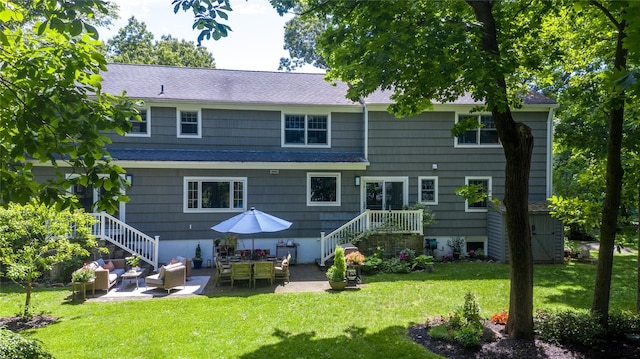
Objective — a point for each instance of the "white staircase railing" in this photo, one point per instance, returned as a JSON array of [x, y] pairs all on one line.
[[405, 221], [113, 230]]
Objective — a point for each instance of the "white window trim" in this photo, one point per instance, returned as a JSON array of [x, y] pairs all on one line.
[[305, 145], [147, 111], [489, 188], [122, 206], [185, 193], [179, 122], [363, 188], [478, 145], [338, 189], [435, 188]]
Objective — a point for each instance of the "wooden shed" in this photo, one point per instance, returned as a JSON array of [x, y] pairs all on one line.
[[547, 234]]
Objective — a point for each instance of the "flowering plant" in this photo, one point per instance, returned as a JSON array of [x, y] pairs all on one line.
[[447, 257], [355, 257], [500, 318], [407, 255]]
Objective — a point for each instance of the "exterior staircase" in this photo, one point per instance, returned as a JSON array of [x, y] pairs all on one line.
[[122, 235], [404, 221]]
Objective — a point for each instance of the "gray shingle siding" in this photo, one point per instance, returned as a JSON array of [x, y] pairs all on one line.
[[241, 114]]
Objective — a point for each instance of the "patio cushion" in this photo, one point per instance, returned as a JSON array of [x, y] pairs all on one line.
[[112, 277], [100, 262], [117, 271], [155, 279], [109, 266]]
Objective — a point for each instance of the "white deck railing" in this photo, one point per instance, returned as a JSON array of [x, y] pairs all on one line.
[[113, 230], [409, 221]]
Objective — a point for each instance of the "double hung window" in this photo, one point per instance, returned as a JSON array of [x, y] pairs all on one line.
[[306, 130], [428, 190], [484, 186], [141, 128], [189, 123], [485, 135]]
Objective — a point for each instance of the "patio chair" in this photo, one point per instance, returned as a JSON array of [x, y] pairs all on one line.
[[282, 271], [263, 270], [223, 274], [240, 271]]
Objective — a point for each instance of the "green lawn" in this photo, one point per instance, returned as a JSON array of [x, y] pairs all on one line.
[[367, 323]]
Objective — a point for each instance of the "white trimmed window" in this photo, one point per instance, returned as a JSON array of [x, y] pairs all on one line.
[[306, 130], [214, 194], [189, 123], [428, 190], [141, 128], [323, 189], [482, 205], [484, 136]]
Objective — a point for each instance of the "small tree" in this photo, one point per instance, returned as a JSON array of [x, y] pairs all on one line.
[[34, 237]]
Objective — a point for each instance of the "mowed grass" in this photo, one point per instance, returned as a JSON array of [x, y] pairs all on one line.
[[368, 323]]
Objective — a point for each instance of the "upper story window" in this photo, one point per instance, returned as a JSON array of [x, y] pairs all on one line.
[[485, 135], [141, 128], [428, 190], [212, 194], [189, 123], [323, 189], [306, 130], [485, 183]]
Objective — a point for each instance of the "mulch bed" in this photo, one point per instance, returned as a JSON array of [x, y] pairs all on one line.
[[16, 324], [496, 345]]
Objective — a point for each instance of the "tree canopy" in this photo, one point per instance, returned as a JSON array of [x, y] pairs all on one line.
[[36, 236], [53, 110], [134, 44]]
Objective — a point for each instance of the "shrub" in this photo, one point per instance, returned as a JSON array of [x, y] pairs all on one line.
[[338, 270], [623, 322], [15, 346], [464, 326], [568, 327], [371, 265], [394, 265]]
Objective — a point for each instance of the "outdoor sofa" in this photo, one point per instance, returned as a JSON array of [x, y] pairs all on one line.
[[107, 272]]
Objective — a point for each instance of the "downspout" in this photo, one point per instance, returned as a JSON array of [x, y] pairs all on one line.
[[365, 115], [549, 191]]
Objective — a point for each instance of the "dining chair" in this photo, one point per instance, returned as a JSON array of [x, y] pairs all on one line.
[[240, 271], [263, 270], [223, 274], [282, 271]]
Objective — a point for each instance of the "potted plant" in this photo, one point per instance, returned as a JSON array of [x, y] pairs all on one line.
[[197, 259], [83, 275], [133, 261], [456, 244], [337, 272]]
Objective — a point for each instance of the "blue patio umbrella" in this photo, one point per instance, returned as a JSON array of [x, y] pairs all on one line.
[[252, 221]]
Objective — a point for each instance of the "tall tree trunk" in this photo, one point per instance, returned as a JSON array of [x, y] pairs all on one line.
[[615, 172], [517, 143]]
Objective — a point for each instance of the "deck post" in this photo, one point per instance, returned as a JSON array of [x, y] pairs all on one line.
[[322, 244]]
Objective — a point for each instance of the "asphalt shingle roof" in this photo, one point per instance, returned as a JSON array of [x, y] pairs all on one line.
[[241, 87], [164, 155]]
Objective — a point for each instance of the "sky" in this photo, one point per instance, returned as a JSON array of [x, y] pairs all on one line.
[[255, 42]]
